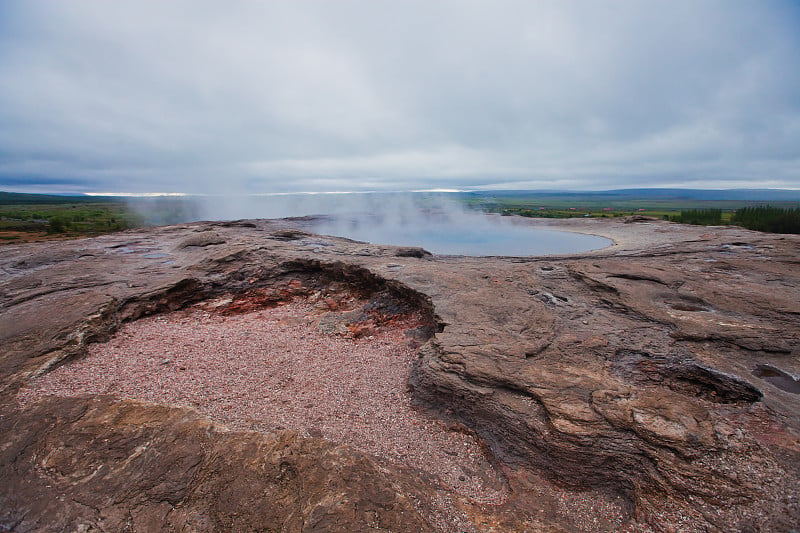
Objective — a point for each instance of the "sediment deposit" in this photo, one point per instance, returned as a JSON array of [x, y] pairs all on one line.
[[649, 386]]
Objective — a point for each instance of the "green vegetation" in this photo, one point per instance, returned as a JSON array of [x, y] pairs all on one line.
[[26, 215], [574, 206], [767, 218], [700, 217], [688, 207]]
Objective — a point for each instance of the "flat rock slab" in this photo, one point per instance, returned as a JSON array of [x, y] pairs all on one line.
[[627, 378]]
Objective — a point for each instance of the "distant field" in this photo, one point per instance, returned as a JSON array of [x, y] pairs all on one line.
[[26, 218], [667, 205], [622, 203]]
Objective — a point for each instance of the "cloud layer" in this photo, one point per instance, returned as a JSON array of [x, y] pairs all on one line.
[[323, 96]]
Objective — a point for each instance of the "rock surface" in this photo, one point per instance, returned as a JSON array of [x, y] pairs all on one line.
[[632, 375], [83, 464]]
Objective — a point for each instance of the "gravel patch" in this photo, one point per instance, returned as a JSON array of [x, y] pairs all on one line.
[[283, 368]]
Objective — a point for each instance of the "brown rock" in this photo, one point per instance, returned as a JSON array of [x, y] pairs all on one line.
[[626, 375], [157, 468]]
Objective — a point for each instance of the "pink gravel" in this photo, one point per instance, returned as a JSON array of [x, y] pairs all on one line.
[[276, 368]]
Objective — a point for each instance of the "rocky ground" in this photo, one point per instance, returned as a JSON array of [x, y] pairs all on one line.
[[649, 386]]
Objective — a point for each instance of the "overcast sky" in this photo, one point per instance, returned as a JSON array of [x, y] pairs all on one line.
[[192, 96]]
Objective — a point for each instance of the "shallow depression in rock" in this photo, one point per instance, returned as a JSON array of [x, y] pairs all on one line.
[[288, 367], [779, 378]]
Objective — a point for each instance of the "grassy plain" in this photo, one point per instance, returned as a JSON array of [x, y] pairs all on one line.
[[29, 217], [657, 204]]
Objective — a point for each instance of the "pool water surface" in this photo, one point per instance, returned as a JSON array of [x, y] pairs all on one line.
[[474, 235]]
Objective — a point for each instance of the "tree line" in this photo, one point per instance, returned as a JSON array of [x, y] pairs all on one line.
[[766, 218], [761, 218]]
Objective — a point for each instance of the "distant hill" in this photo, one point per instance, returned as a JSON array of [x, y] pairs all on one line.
[[746, 195], [17, 198], [662, 195], [757, 195]]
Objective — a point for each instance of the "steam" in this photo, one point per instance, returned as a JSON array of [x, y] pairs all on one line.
[[166, 210], [438, 222], [392, 209], [442, 225]]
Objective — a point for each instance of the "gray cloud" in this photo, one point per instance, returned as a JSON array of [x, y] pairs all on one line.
[[290, 96]]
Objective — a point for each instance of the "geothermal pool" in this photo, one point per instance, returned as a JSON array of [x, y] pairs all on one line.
[[440, 223], [461, 234]]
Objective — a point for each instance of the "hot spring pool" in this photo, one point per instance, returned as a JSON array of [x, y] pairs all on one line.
[[475, 235]]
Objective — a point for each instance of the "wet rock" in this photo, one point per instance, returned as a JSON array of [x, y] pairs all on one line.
[[779, 378]]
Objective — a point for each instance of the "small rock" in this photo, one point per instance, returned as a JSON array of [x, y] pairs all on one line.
[[411, 251], [201, 240]]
